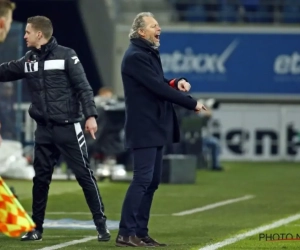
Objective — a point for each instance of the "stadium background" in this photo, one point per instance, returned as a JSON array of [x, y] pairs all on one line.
[[243, 53]]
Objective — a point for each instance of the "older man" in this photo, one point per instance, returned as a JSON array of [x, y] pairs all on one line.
[[151, 123]]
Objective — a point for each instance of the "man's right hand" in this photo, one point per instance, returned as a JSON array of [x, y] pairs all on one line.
[[199, 107], [91, 126]]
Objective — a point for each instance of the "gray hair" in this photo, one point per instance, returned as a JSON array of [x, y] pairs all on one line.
[[138, 23]]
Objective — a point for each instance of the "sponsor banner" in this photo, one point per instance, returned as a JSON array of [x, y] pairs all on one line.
[[245, 131], [228, 62], [257, 132]]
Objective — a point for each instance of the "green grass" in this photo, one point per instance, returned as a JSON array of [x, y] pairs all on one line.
[[275, 186]]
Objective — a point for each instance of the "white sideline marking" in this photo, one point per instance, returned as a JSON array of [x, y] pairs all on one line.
[[69, 243], [89, 213], [252, 232], [54, 192], [76, 213], [63, 236], [214, 205]]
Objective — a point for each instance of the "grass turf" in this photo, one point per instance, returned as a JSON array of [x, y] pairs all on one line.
[[274, 185]]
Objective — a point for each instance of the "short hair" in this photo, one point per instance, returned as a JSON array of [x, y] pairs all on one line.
[[43, 24], [138, 23], [5, 7]]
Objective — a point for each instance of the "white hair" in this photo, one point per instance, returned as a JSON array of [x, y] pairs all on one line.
[[138, 23]]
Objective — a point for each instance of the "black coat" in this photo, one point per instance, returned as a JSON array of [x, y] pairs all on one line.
[[57, 82], [150, 117]]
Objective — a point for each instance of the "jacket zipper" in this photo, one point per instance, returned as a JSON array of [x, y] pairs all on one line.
[[45, 92]]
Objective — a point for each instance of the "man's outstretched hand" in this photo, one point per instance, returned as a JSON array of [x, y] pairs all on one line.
[[199, 107], [91, 126]]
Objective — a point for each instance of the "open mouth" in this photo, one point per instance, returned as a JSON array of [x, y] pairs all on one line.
[[157, 37]]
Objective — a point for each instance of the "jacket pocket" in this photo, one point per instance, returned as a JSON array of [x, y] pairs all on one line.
[[35, 113]]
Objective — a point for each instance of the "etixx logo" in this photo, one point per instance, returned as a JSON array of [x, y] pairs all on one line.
[[287, 64], [190, 62]]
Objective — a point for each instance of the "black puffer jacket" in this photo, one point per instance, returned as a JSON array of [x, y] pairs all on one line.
[[57, 82]]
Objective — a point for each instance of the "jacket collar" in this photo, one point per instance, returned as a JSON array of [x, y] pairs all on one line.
[[140, 42], [51, 45]]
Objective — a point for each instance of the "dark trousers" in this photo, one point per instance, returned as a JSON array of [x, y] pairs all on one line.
[[139, 196], [68, 140]]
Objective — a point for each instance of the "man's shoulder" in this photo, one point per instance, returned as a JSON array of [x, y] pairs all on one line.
[[133, 53], [63, 52], [64, 49], [28, 54]]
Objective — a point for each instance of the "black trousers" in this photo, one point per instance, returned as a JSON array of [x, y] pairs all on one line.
[[138, 200], [50, 142]]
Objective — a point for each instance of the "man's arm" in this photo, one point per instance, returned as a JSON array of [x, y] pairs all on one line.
[[139, 67], [79, 81], [13, 70], [174, 82]]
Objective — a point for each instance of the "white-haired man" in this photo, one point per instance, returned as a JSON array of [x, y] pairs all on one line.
[[151, 123]]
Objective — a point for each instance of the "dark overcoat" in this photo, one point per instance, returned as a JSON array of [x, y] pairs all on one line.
[[150, 117]]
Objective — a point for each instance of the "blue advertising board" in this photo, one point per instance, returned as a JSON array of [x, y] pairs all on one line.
[[234, 62]]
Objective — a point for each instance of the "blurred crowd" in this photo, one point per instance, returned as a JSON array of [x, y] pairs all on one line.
[[7, 111], [248, 11]]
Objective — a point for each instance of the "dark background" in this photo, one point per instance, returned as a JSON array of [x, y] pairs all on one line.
[[68, 29]]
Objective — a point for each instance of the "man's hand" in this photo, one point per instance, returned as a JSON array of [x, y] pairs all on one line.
[[91, 126], [207, 113], [184, 86], [199, 107]]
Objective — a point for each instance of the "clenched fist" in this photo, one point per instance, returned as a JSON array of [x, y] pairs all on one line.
[[184, 86]]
